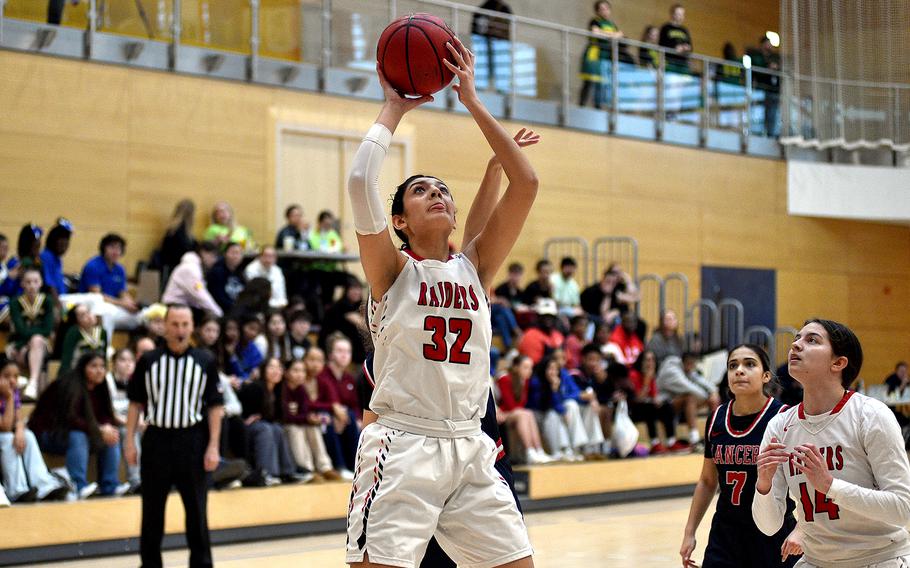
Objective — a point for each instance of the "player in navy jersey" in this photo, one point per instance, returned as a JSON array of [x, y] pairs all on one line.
[[435, 557], [733, 436]]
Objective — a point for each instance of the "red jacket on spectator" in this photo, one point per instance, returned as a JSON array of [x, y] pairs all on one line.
[[508, 402], [535, 343], [295, 405], [630, 345], [326, 396], [345, 389], [573, 348]]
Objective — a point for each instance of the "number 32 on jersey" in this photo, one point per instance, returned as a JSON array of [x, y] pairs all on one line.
[[438, 349]]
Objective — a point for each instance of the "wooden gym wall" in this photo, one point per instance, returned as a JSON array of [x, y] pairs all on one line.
[[114, 149]]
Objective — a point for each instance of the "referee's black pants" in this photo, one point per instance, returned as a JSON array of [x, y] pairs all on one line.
[[174, 458]]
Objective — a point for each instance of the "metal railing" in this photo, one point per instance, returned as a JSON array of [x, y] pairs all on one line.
[[705, 93], [609, 250], [704, 312]]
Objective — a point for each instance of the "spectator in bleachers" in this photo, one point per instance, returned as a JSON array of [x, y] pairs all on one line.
[[225, 280], [614, 295], [346, 413], [729, 73], [207, 333], [83, 335], [143, 345], [153, 324], [494, 34], [247, 357], [647, 55], [565, 288], [628, 345], [512, 410], [224, 229], [338, 369], [503, 303], [595, 65], [542, 287], [33, 317], [674, 35], [268, 448], [254, 298], [178, 238], [266, 266], [546, 397], [187, 284], [592, 374], [345, 316], [322, 400], [227, 349], [55, 246], [646, 405], [9, 277], [325, 238], [575, 341], [294, 235], [678, 383], [303, 426], [104, 275], [540, 340], [74, 417], [666, 340], [28, 248], [25, 475], [510, 292], [299, 324], [275, 342], [766, 56], [898, 380], [122, 366]]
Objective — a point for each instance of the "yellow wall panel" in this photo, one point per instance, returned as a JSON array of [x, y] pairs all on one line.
[[882, 349], [879, 302], [803, 295]]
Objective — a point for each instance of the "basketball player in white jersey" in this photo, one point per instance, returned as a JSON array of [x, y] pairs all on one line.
[[841, 456], [424, 467]]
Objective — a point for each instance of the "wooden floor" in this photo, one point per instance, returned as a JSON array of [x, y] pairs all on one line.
[[639, 535]]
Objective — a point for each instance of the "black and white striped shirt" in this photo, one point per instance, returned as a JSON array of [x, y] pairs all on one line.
[[176, 389]]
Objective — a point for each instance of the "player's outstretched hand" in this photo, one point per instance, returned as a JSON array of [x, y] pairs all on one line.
[[463, 68], [793, 545], [394, 100], [524, 138], [771, 457], [810, 461], [686, 550]]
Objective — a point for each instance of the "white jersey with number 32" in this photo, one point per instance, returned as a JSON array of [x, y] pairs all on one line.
[[861, 519], [432, 336]]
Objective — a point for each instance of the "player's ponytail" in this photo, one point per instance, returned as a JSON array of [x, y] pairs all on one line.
[[844, 343]]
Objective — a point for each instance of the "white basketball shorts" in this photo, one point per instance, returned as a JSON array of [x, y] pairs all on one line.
[[409, 487]]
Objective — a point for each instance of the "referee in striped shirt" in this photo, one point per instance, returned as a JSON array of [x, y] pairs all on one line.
[[176, 386]]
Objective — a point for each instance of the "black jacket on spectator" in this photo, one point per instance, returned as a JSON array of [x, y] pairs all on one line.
[[335, 320], [534, 291], [593, 296], [300, 239], [225, 285], [68, 405], [174, 246], [513, 295], [256, 399], [671, 36]]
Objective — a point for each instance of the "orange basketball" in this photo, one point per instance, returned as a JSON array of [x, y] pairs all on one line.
[[410, 54]]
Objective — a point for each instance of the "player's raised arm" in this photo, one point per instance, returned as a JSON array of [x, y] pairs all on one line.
[[378, 255], [490, 248], [488, 193]]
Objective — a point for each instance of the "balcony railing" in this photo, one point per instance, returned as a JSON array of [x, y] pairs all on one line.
[[329, 46]]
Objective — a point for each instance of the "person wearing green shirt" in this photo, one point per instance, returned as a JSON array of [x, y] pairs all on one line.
[[84, 335], [223, 230], [325, 238], [32, 315], [595, 64]]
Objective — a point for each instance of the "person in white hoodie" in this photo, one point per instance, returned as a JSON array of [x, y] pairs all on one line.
[[266, 266], [187, 282]]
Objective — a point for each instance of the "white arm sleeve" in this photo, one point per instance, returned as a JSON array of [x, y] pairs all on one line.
[[889, 501], [363, 182], [768, 510]]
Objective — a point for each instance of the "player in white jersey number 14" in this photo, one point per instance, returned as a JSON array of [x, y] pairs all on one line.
[[424, 468], [841, 456]]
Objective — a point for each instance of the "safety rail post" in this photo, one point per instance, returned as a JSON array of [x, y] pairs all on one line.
[[553, 247], [253, 60], [175, 34], [763, 336], [709, 315], [734, 305]]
